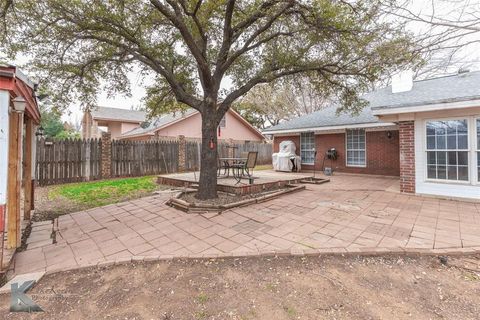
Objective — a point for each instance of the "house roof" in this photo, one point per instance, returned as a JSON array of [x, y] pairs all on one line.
[[19, 85], [117, 114], [159, 123], [326, 117], [458, 87], [453, 88]]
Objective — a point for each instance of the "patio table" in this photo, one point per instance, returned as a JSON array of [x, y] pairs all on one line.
[[227, 162]]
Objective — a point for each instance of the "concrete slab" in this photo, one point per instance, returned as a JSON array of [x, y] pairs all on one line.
[[35, 276], [351, 213]]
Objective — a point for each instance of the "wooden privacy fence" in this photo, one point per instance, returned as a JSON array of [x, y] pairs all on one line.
[[136, 158], [66, 161], [78, 160], [264, 150], [225, 150], [193, 151]]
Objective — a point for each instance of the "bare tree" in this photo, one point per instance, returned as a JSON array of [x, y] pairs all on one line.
[[269, 104], [447, 31]]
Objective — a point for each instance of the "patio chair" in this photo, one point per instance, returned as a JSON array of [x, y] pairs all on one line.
[[222, 165], [245, 168]]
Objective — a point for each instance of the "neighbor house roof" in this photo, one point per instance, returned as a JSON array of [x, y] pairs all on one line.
[[171, 118], [116, 114], [159, 123], [441, 90]]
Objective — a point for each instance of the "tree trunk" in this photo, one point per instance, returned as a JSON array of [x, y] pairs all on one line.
[[208, 164]]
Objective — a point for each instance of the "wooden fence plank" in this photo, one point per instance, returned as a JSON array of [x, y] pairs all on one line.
[[73, 160]]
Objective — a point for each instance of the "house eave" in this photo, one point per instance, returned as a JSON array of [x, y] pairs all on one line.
[[150, 133], [469, 103], [116, 120], [329, 128]]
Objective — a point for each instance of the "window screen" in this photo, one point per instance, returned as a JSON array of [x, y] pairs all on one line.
[[307, 147], [356, 154], [447, 150]]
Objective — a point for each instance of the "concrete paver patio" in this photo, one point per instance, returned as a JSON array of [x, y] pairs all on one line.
[[351, 213]]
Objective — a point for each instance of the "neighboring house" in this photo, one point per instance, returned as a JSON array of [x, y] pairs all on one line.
[[189, 124], [116, 120], [427, 132]]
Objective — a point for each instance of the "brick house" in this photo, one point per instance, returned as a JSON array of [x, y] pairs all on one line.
[[426, 132]]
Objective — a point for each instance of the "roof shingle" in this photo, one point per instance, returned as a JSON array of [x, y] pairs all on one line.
[[118, 114], [158, 123], [458, 87]]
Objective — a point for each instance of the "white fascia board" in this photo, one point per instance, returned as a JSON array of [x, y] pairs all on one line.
[[136, 135], [4, 129], [320, 129], [427, 107], [20, 75]]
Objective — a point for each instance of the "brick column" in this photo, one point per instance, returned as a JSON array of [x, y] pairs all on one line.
[[182, 150], [407, 156], [106, 155]]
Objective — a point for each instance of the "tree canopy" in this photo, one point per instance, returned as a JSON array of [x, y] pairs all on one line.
[[204, 54], [54, 127], [81, 47], [269, 104]]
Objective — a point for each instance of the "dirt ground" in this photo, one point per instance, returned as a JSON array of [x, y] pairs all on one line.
[[227, 198], [262, 288]]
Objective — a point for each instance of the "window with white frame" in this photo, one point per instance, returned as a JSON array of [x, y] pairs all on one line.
[[356, 148], [478, 150], [307, 147], [447, 150]]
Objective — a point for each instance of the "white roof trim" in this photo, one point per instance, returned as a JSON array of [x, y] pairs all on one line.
[[20, 75], [136, 135], [428, 107], [116, 120], [349, 126]]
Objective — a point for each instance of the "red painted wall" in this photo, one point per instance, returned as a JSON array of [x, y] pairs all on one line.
[[383, 154]]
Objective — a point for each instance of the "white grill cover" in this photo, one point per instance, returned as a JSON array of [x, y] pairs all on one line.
[[282, 160]]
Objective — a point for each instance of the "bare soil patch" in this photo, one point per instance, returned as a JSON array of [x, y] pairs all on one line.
[[51, 203], [324, 287], [48, 209]]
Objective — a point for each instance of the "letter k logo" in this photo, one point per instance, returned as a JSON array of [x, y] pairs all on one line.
[[19, 301]]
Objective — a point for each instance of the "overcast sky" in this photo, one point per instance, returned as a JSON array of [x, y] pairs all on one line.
[[449, 9]]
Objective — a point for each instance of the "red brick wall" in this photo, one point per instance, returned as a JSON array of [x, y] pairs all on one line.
[[407, 156], [382, 153]]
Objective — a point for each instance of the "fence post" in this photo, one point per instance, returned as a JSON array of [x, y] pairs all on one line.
[[88, 152], [106, 155], [231, 149], [182, 150]]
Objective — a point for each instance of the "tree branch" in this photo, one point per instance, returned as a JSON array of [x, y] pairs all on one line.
[[226, 42], [177, 21]]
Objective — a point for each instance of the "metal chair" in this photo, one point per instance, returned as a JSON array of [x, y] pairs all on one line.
[[222, 165], [246, 167]]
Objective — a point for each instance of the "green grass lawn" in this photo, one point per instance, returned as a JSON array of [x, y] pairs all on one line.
[[99, 193], [263, 167]]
